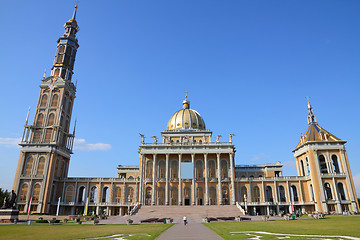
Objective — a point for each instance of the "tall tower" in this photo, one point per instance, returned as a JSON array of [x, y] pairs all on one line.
[[321, 158], [47, 144]]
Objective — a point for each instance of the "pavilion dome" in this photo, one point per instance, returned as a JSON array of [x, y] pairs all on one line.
[[186, 118]]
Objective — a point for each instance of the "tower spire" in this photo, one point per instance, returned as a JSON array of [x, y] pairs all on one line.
[[66, 50], [75, 10], [311, 116]]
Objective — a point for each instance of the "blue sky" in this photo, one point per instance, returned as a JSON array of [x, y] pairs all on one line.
[[247, 66]]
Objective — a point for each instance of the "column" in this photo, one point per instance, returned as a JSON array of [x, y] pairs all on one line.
[[193, 180], [289, 196], [167, 180], [180, 184], [219, 179], [154, 180], [206, 180], [232, 172], [141, 178]]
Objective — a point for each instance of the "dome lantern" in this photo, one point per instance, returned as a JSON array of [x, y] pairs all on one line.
[[186, 118]]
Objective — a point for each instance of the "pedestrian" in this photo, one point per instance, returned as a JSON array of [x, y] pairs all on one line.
[[185, 220]]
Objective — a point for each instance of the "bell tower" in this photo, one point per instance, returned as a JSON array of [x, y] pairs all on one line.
[[322, 160], [47, 143]]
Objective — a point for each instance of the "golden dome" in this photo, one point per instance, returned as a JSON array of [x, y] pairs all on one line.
[[186, 118]]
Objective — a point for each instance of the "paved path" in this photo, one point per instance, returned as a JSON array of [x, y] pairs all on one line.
[[193, 231]]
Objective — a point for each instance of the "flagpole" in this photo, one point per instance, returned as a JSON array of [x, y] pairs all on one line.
[[58, 207], [29, 208], [86, 207]]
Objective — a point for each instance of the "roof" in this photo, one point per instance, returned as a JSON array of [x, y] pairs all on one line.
[[315, 133]]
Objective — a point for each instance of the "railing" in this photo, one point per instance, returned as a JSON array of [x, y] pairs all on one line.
[[186, 144], [135, 208], [58, 136], [273, 178], [240, 208]]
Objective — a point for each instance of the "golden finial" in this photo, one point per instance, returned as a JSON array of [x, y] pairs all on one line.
[[186, 94], [76, 5]]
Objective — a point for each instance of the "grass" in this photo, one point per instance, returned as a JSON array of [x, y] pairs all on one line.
[[331, 225], [76, 231]]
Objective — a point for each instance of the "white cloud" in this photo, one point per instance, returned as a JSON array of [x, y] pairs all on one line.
[[356, 179], [10, 142], [81, 144]]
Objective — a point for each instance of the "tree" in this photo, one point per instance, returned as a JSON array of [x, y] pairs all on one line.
[[3, 195]]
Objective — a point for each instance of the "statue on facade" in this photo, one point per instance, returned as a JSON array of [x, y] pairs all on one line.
[[218, 138], [230, 137], [155, 139], [10, 201], [142, 138]]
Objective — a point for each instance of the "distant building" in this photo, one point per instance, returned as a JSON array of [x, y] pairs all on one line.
[[323, 183]]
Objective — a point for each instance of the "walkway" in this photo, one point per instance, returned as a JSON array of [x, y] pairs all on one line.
[[193, 231]]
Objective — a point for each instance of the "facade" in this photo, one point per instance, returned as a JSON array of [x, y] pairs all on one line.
[[185, 167]]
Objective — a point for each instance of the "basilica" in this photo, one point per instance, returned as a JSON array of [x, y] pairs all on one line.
[[185, 167]]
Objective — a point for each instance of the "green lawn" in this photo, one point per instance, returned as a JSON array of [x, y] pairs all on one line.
[[331, 225], [76, 231]]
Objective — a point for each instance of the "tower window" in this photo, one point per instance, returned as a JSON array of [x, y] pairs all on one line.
[[43, 101], [335, 163], [322, 163]]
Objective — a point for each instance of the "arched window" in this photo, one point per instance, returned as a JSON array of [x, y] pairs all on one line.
[[69, 194], [24, 192], [55, 100], [307, 166], [28, 166], [174, 169], [162, 169], [173, 195], [268, 194], [212, 169], [282, 196], [312, 193], [36, 193], [130, 195], [43, 101], [40, 120], [225, 195], [322, 164], [294, 194], [224, 169], [39, 123], [302, 173], [161, 196], [148, 196], [199, 169], [149, 168], [93, 194], [49, 130], [335, 163], [105, 194], [256, 194], [328, 193], [40, 170], [117, 195], [243, 194], [341, 191], [81, 194]]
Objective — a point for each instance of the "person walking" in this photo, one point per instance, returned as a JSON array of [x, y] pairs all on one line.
[[185, 220]]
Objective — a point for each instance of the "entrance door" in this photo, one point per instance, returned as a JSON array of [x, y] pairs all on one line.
[[187, 201]]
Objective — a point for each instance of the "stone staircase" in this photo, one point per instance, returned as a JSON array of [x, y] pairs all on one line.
[[193, 213]]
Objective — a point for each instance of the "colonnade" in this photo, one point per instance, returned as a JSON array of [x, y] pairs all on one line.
[[154, 158]]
